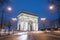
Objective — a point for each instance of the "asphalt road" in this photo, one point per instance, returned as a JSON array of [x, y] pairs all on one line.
[[31, 36]]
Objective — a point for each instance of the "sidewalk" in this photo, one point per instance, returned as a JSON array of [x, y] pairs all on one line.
[[2, 36], [5, 34]]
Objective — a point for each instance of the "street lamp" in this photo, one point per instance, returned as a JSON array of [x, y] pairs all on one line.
[[43, 19], [14, 19], [2, 17], [9, 8], [51, 7], [3, 11], [57, 5]]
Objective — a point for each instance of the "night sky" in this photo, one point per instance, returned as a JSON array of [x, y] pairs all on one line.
[[39, 7]]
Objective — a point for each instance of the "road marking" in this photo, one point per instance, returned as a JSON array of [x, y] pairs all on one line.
[[53, 35], [21, 33]]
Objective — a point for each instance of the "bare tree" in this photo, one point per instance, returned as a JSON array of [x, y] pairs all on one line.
[[4, 2], [8, 24], [2, 10]]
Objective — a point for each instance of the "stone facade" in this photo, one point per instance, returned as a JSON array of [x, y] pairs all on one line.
[[27, 21]]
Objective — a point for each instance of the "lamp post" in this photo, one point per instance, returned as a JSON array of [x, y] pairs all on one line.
[[9, 8], [2, 17], [51, 7], [14, 19], [56, 4], [43, 20]]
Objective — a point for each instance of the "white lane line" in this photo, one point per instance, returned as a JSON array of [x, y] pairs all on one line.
[[21, 33], [53, 35]]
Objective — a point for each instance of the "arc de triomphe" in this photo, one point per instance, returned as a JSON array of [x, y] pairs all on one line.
[[27, 21]]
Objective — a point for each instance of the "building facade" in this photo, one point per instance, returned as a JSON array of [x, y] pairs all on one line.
[[27, 21]]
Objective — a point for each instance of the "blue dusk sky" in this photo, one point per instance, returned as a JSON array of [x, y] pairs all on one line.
[[39, 7]]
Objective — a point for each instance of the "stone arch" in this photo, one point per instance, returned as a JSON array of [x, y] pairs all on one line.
[[19, 26], [30, 23]]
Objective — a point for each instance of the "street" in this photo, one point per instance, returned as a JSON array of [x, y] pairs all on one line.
[[31, 36]]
